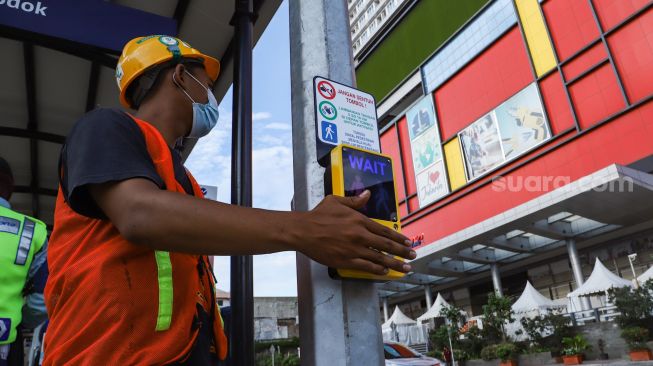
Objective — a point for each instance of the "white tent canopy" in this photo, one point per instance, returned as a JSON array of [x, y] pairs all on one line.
[[434, 312], [398, 318], [601, 280], [645, 276], [531, 300]]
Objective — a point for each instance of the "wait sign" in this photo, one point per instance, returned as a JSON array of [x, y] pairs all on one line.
[[344, 115]]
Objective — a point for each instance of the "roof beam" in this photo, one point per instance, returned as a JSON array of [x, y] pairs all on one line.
[[41, 191], [36, 135], [482, 256], [103, 57], [517, 244], [558, 230], [93, 82], [32, 124], [180, 12], [451, 268]]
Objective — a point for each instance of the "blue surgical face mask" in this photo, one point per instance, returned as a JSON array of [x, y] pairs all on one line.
[[205, 116]]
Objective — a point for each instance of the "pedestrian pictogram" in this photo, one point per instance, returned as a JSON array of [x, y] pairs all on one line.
[[329, 132], [328, 110], [326, 89]]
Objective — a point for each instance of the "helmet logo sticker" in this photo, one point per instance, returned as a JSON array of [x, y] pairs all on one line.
[[119, 73], [169, 41]]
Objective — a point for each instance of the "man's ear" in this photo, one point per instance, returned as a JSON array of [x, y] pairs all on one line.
[[180, 75]]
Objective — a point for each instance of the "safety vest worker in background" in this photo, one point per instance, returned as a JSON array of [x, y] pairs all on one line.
[[129, 281], [23, 272]]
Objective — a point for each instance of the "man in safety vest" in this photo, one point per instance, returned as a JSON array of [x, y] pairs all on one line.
[[129, 282], [23, 271]]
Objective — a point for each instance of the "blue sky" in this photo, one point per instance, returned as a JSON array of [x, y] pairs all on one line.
[[210, 161]]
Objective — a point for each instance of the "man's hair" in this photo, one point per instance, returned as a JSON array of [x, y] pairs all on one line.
[[150, 79], [6, 179]]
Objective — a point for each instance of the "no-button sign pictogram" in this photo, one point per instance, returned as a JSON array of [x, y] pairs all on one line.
[[326, 89]]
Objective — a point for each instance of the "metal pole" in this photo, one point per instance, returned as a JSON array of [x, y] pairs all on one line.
[[577, 269], [631, 258], [385, 309], [241, 345], [428, 295], [339, 320], [496, 279]]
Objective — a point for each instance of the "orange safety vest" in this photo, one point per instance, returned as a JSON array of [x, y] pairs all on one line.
[[111, 302]]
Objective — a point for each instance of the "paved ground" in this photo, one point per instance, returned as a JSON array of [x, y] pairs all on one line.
[[612, 363]]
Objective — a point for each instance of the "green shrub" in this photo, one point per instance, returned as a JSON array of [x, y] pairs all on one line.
[[489, 353], [636, 338], [472, 343], [496, 314], [506, 351], [634, 305], [574, 345]]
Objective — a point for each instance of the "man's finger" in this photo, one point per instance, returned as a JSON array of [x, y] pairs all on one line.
[[391, 247], [385, 231], [385, 260], [355, 202], [367, 266]]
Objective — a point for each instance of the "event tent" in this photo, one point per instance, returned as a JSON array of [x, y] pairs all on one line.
[[600, 281], [398, 318], [645, 276], [533, 300], [406, 330], [434, 312]]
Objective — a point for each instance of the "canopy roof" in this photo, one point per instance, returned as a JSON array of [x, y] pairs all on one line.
[[434, 312], [531, 299], [51, 82], [398, 318], [599, 281]]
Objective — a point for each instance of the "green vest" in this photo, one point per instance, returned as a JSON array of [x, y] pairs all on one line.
[[20, 238]]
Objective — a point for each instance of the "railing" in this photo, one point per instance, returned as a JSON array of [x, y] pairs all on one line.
[[597, 315]]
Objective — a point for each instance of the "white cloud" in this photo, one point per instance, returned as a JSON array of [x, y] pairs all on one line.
[[259, 116], [278, 126]]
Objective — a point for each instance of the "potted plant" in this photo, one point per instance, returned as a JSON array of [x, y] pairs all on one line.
[[573, 348], [636, 338], [506, 352]]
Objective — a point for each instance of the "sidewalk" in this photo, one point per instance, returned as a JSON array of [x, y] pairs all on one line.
[[611, 363]]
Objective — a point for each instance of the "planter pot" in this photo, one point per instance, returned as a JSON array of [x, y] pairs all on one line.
[[641, 355], [572, 360], [508, 363]]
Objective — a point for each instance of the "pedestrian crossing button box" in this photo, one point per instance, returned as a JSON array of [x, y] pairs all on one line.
[[352, 171]]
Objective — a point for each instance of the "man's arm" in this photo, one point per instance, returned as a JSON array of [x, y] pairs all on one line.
[[333, 233], [34, 312]]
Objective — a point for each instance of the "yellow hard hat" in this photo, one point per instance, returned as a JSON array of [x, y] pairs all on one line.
[[142, 53]]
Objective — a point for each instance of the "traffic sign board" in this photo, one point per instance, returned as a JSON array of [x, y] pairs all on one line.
[[343, 115]]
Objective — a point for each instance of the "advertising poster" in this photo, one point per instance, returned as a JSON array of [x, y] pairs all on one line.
[[431, 183], [421, 117], [481, 146], [522, 123], [426, 150]]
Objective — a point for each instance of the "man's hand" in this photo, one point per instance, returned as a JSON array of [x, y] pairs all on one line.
[[337, 235]]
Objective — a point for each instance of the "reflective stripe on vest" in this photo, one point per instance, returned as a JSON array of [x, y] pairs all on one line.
[[164, 274], [25, 242]]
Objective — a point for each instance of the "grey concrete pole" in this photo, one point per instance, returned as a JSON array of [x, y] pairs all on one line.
[[339, 320], [386, 315], [429, 296], [577, 270], [496, 279]]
